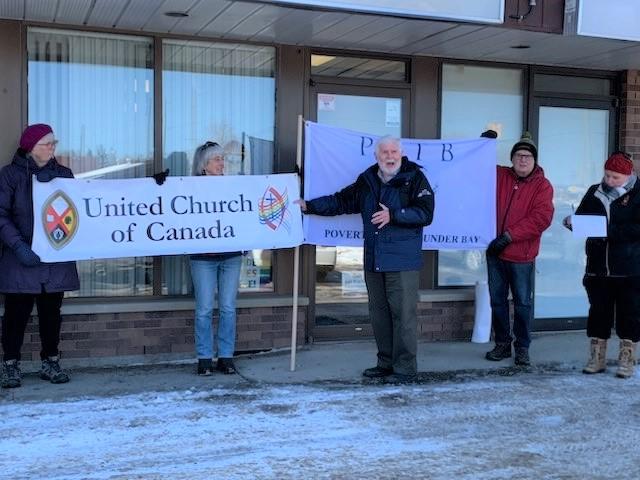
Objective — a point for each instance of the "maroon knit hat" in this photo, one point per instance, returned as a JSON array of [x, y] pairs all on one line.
[[619, 162], [32, 135]]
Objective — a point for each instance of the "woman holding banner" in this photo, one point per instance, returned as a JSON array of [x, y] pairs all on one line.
[[25, 279], [612, 277], [208, 271]]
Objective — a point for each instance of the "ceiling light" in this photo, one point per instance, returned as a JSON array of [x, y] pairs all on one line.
[[318, 60]]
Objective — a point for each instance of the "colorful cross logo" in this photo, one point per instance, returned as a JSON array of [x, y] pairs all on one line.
[[60, 219]]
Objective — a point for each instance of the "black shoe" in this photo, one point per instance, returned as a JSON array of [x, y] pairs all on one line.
[[522, 357], [52, 372], [205, 367], [11, 375], [226, 366], [398, 378], [499, 352], [377, 372]]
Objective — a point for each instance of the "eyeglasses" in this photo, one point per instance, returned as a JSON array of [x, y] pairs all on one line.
[[209, 144], [523, 156], [52, 143]]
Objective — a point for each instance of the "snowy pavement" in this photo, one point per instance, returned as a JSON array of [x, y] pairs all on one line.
[[536, 424]]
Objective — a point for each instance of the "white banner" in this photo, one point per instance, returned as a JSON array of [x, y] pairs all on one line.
[[78, 219], [462, 174]]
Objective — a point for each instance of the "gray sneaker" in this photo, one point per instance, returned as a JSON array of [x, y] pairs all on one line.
[[51, 371], [11, 374]]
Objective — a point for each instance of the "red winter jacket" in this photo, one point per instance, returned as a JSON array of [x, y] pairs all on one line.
[[524, 208]]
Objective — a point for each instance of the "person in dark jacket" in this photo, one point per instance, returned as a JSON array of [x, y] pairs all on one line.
[[524, 209], [612, 276], [396, 202], [213, 271], [25, 279]]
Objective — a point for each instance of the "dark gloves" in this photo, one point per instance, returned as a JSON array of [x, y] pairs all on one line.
[[161, 177], [498, 244], [45, 175], [25, 255]]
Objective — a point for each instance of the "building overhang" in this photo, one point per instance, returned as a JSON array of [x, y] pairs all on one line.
[[305, 23]]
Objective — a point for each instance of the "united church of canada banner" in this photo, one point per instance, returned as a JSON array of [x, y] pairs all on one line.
[[78, 219], [462, 174]]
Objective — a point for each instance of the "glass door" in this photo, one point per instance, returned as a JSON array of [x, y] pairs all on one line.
[[573, 143], [340, 292]]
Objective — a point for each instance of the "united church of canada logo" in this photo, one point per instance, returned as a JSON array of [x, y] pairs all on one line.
[[60, 219], [273, 209]]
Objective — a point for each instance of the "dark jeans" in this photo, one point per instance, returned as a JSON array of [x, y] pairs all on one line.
[[17, 310], [517, 277], [393, 305], [613, 299]]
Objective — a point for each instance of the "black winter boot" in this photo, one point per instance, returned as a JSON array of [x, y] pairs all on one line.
[[522, 357], [205, 367], [52, 372], [226, 366], [11, 376], [499, 352]]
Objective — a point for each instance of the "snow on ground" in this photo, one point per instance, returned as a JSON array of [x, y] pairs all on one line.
[[538, 426]]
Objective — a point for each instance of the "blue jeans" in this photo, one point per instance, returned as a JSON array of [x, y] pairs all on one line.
[[207, 275], [517, 277]]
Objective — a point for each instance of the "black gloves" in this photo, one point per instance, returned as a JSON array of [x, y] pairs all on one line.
[[25, 255], [45, 175], [161, 177], [498, 244]]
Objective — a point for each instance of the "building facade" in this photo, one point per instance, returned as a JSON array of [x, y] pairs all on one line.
[[132, 88]]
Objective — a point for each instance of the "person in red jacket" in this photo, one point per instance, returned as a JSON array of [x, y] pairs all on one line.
[[524, 209]]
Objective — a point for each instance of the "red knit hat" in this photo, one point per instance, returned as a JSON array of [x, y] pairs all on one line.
[[619, 162], [32, 135]]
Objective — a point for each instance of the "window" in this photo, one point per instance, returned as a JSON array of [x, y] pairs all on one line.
[[96, 91], [225, 93], [475, 99]]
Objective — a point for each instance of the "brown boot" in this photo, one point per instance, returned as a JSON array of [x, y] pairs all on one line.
[[626, 359], [598, 360]]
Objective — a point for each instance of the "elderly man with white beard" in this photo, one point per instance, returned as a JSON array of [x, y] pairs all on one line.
[[396, 201]]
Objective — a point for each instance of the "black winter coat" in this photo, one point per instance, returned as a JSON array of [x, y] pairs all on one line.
[[16, 224], [619, 253], [398, 245]]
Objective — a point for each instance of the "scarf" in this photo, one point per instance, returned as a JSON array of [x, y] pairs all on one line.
[[607, 194]]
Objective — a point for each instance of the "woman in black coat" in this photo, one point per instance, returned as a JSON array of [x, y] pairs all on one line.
[[612, 277], [25, 279]]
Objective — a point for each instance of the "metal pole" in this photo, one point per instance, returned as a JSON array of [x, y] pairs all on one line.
[[296, 261]]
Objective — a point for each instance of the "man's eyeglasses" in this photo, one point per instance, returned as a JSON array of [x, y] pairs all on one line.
[[52, 143], [524, 156]]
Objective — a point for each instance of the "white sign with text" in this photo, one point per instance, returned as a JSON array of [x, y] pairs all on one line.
[[77, 219], [462, 174]]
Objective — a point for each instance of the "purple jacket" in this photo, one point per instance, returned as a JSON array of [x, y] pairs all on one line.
[[16, 224]]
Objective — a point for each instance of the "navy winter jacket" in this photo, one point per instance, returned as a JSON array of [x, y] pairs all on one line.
[[16, 225], [619, 253], [398, 245]]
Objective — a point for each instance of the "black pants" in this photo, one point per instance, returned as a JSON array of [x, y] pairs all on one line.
[[17, 310], [393, 305], [613, 300]]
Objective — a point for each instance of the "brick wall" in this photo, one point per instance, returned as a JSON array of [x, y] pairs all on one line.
[[170, 333], [149, 333], [630, 115], [440, 321]]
